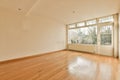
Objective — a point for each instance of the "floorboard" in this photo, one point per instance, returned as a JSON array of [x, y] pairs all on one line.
[[64, 65]]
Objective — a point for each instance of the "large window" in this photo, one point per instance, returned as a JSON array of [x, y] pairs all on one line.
[[86, 32], [84, 35]]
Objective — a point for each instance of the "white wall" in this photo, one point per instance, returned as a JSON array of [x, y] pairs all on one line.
[[22, 36]]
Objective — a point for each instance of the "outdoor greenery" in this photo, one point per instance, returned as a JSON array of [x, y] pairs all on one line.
[[88, 35], [106, 35], [89, 31]]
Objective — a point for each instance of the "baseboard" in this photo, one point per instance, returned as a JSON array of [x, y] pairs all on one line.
[[28, 57], [92, 53]]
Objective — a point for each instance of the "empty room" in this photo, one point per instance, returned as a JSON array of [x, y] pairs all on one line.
[[59, 39]]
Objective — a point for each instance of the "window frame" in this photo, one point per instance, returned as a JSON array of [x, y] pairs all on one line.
[[98, 28]]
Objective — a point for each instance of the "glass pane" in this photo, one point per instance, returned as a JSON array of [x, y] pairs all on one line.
[[71, 26], [86, 35], [72, 36], [106, 19], [106, 35], [106, 39], [80, 24], [91, 22], [106, 29]]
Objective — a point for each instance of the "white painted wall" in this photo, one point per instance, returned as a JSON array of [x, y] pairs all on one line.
[[22, 36]]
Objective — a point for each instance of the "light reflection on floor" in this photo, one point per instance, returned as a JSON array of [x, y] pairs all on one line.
[[105, 72], [87, 69]]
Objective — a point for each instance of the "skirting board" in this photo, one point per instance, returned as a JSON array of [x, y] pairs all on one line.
[[27, 57]]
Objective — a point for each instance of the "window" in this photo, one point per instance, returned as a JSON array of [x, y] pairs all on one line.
[[106, 19], [106, 35], [86, 35], [85, 32], [80, 24], [71, 26], [72, 36], [91, 22]]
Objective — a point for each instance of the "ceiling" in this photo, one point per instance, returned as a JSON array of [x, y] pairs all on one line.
[[17, 5], [66, 11]]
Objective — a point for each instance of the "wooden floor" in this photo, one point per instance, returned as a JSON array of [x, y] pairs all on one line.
[[64, 65]]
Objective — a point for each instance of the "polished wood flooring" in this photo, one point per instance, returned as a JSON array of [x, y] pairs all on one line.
[[64, 65]]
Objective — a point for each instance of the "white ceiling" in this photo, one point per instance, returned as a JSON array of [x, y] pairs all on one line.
[[67, 11], [14, 5]]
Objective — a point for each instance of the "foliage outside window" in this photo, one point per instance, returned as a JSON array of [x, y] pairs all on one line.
[[106, 35], [86, 35]]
